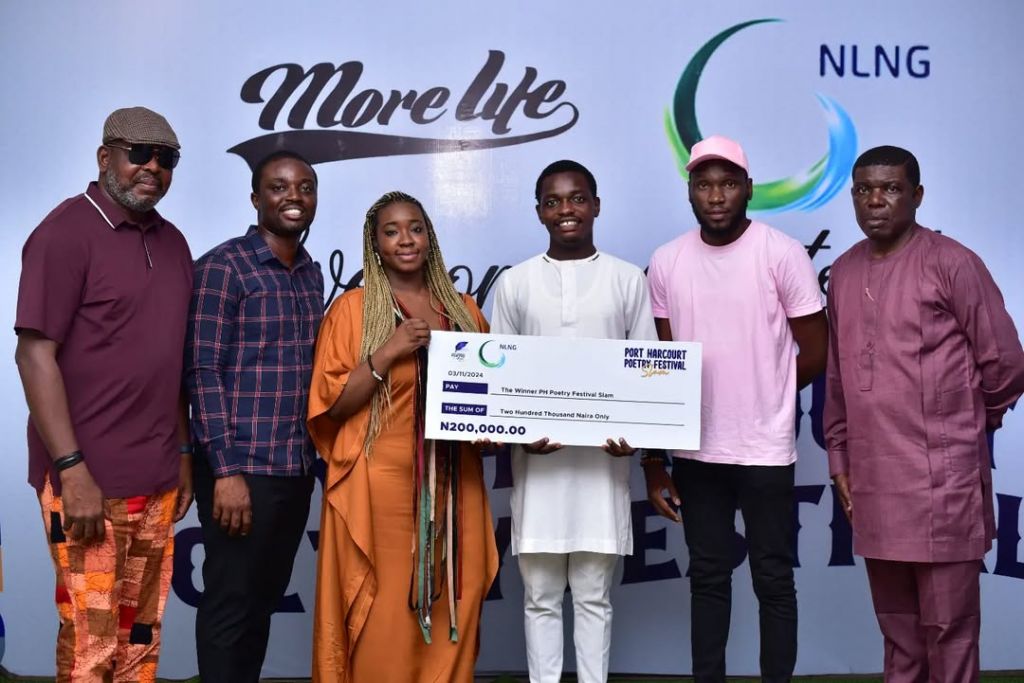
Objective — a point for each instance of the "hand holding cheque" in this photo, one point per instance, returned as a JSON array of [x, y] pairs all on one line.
[[573, 391]]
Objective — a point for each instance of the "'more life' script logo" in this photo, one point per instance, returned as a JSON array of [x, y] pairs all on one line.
[[805, 190], [334, 132]]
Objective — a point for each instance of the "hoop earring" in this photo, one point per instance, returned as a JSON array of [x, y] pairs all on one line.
[[377, 256]]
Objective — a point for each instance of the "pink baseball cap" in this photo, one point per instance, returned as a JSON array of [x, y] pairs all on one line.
[[717, 147]]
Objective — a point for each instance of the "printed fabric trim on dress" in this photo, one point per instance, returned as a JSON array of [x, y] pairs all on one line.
[[437, 512]]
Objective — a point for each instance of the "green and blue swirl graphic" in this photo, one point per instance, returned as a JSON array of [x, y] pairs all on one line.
[[486, 363], [804, 191]]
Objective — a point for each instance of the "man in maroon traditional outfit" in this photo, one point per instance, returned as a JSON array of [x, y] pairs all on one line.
[[924, 360]]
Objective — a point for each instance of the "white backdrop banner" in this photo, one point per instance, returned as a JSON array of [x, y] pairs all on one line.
[[462, 104]]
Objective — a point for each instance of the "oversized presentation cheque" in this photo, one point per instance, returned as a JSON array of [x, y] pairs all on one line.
[[575, 391]]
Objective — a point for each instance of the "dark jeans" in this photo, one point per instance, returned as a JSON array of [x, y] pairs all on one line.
[[710, 494], [244, 577]]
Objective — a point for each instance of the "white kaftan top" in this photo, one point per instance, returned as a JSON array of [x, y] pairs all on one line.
[[576, 498]]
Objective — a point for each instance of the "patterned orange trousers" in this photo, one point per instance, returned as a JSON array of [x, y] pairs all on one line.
[[110, 595]]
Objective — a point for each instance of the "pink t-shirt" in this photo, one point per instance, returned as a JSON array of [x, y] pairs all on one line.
[[736, 300]]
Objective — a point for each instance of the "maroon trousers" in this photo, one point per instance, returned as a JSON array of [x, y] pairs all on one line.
[[930, 617]]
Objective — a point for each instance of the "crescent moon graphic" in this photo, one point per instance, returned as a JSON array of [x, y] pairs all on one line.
[[805, 190], [487, 363]]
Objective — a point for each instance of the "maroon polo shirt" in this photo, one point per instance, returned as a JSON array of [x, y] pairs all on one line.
[[114, 295]]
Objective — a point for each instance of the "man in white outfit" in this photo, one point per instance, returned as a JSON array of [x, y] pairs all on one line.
[[571, 505]]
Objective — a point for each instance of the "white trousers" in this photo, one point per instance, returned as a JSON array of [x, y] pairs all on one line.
[[589, 577]]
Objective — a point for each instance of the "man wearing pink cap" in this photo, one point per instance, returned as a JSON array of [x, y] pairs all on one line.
[[750, 295], [924, 360]]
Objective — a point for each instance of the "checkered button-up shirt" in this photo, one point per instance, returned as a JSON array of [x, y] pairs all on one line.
[[249, 357]]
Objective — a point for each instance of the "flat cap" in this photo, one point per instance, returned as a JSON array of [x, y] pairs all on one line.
[[139, 125]]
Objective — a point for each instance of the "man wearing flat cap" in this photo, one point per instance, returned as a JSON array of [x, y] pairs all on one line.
[[749, 294], [101, 312]]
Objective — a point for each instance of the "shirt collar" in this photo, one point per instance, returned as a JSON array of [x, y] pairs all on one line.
[[255, 241], [114, 214], [571, 262]]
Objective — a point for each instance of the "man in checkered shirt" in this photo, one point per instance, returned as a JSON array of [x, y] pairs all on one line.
[[257, 302]]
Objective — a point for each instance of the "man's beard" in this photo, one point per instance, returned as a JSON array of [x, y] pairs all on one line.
[[732, 227], [123, 195]]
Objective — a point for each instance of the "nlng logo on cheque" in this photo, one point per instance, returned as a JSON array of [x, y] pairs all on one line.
[[805, 190], [492, 364]]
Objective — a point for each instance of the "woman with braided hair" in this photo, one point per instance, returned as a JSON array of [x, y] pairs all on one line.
[[406, 552]]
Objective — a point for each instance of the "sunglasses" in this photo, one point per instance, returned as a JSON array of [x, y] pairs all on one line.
[[140, 154]]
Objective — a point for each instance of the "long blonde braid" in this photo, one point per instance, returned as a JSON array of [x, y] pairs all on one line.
[[379, 302]]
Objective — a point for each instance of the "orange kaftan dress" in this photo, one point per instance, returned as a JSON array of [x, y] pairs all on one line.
[[363, 629]]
